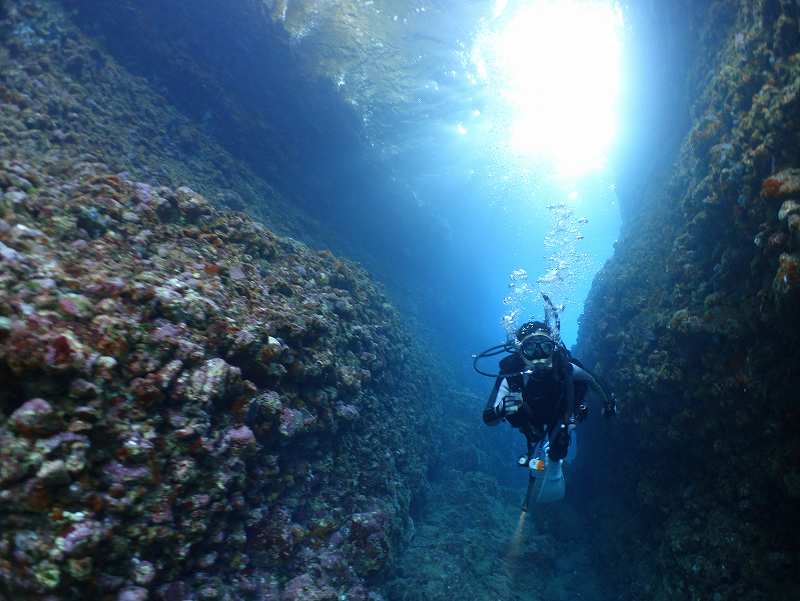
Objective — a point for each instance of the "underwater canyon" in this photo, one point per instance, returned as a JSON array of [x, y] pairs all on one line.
[[236, 334]]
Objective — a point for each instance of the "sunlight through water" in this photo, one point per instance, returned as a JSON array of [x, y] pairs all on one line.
[[556, 66]]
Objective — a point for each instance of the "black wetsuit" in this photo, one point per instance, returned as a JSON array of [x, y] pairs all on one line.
[[548, 401]]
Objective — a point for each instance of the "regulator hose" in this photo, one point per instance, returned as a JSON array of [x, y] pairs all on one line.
[[493, 351]]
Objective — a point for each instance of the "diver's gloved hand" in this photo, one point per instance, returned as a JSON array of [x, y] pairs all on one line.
[[511, 403], [610, 409]]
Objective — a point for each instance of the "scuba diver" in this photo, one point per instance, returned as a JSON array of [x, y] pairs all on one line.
[[540, 390]]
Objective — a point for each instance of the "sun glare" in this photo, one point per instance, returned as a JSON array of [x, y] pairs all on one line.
[[556, 67]]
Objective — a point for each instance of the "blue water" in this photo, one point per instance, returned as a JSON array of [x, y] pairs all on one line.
[[493, 217], [481, 210]]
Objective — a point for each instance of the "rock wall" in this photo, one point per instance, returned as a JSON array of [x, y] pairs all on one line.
[[61, 92], [322, 100], [191, 406], [694, 323], [237, 73], [308, 95]]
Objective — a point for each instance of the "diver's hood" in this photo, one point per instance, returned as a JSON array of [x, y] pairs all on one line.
[[536, 349]]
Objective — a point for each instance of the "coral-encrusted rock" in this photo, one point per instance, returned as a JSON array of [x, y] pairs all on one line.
[[10, 256], [35, 418], [368, 534], [262, 409], [136, 593], [17, 458], [306, 588], [347, 412], [75, 305], [789, 207], [790, 213], [699, 332], [192, 204], [242, 438], [786, 285], [793, 223], [278, 534], [214, 382], [119, 474], [293, 421], [143, 475], [5, 326], [685, 323], [53, 474], [82, 538], [65, 351], [169, 373], [784, 184]]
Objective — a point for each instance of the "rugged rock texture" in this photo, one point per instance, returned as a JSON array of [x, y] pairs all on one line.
[[694, 322], [323, 100], [191, 406], [62, 94], [473, 545]]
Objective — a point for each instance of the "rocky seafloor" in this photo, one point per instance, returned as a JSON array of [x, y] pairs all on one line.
[[473, 542], [695, 323]]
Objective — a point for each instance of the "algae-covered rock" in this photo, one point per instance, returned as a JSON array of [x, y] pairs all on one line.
[[705, 366], [785, 184], [788, 208], [786, 284], [154, 405], [35, 417]]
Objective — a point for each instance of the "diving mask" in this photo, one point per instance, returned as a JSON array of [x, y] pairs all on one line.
[[537, 346]]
